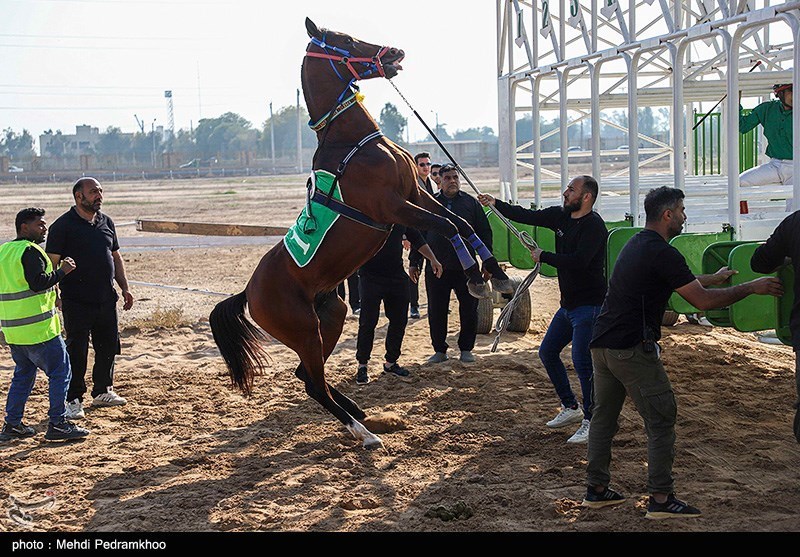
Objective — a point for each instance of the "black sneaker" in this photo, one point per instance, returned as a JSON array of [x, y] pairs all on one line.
[[414, 313], [19, 431], [671, 508], [605, 498], [361, 376], [395, 369], [64, 430]]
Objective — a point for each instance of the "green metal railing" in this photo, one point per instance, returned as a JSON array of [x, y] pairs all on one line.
[[708, 145]]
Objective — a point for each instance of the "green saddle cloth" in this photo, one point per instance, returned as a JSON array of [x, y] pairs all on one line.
[[305, 236]]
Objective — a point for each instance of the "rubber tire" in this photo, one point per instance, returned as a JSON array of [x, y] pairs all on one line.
[[485, 316], [670, 318], [520, 320]]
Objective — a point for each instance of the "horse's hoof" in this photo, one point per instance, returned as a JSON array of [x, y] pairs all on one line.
[[372, 444], [479, 290], [505, 286]]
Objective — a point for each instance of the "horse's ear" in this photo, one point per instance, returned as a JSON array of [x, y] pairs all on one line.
[[313, 32]]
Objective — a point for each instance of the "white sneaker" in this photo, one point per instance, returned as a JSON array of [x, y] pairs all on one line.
[[582, 435], [566, 417], [74, 410], [108, 399]]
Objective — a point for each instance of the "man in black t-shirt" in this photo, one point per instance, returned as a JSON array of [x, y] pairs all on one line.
[[580, 259], [626, 353], [785, 242], [88, 297], [383, 278]]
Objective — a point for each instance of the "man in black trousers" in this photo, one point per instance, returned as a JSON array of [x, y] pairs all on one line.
[[453, 278], [383, 278], [88, 296]]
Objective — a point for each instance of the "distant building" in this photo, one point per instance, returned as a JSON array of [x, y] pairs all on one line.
[[82, 143]]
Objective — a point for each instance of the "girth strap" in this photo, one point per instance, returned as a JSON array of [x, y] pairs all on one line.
[[347, 211]]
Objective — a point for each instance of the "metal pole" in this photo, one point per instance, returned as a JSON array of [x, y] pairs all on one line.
[[272, 136]]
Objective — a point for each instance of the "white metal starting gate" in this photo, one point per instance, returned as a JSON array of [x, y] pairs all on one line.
[[577, 58]]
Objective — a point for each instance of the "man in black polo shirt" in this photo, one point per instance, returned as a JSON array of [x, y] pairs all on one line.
[[88, 297], [453, 278], [383, 278], [626, 353], [580, 259]]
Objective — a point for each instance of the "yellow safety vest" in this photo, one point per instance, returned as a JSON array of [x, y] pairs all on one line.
[[26, 317]]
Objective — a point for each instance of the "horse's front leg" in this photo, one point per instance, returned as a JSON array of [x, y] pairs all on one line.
[[500, 280], [411, 215]]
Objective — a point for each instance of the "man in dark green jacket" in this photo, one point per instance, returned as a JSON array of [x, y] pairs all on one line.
[[776, 117]]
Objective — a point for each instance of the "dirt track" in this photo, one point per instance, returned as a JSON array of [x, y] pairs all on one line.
[[189, 454]]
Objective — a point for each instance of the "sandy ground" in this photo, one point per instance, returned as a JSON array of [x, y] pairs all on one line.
[[188, 453]]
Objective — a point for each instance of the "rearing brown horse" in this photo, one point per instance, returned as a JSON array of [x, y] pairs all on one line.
[[299, 306]]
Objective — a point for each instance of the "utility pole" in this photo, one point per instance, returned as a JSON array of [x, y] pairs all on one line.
[[170, 120], [272, 136], [299, 137], [153, 133]]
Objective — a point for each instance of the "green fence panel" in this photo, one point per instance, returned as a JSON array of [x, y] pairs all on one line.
[[756, 312], [617, 239], [518, 255], [500, 236], [783, 305], [748, 147], [707, 144], [546, 239], [715, 257], [692, 246]]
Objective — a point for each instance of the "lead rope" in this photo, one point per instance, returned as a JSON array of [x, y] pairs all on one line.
[[521, 235]]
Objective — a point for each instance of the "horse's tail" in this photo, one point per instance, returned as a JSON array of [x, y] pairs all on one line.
[[238, 340]]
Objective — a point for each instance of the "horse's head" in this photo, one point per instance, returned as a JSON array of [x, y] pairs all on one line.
[[360, 60]]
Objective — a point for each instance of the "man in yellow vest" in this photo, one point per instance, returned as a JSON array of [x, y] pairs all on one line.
[[32, 329]]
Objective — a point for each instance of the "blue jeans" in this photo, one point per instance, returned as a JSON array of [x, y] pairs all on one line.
[[51, 357], [573, 325]]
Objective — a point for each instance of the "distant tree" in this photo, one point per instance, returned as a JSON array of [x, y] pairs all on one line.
[[441, 132], [113, 143], [647, 121], [225, 135], [143, 146], [17, 146], [483, 134], [392, 123], [184, 143], [285, 120], [56, 146]]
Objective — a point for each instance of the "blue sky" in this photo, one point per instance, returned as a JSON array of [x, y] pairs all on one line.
[[99, 62]]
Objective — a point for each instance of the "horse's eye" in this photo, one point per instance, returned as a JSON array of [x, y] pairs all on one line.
[[348, 41]]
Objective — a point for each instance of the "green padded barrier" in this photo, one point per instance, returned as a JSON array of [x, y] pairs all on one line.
[[784, 304], [756, 312], [617, 239], [518, 255], [500, 236], [546, 239], [692, 246], [715, 257]]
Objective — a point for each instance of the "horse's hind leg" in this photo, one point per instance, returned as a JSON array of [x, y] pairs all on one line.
[[310, 348]]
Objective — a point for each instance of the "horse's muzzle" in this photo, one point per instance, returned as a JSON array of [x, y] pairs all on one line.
[[391, 62]]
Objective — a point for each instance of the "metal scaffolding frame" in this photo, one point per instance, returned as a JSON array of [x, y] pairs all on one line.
[[585, 56]]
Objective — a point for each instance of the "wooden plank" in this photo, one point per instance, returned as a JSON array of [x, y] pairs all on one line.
[[208, 229]]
